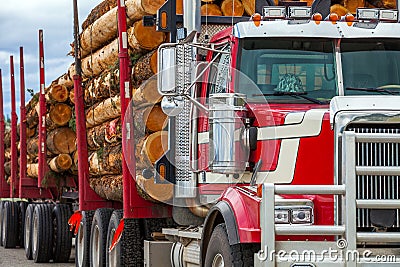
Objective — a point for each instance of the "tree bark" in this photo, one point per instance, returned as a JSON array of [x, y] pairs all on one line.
[[232, 8], [145, 67], [104, 111], [147, 93], [102, 87], [156, 192], [30, 132], [32, 147], [60, 163], [211, 10], [106, 133], [61, 141], [101, 60], [108, 187], [106, 160], [32, 170], [98, 11], [7, 168], [58, 93]]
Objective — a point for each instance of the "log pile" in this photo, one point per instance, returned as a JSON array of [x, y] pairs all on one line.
[[99, 50], [61, 139]]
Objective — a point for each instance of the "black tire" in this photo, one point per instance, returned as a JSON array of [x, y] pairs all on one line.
[[21, 222], [62, 236], [82, 239], [98, 237], [1, 221], [219, 250], [10, 224], [114, 258], [42, 236], [132, 243], [28, 231]]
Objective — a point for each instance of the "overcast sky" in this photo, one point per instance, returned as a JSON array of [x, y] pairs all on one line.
[[20, 22]]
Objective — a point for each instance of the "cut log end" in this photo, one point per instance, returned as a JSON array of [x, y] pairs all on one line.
[[58, 93], [156, 192], [232, 8], [61, 163], [147, 37], [155, 145], [152, 6], [211, 10]]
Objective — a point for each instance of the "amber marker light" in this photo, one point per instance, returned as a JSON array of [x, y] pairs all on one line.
[[317, 17], [349, 18], [333, 17], [259, 190], [256, 18]]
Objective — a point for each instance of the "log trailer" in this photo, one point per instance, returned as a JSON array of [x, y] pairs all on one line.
[[285, 130], [284, 148]]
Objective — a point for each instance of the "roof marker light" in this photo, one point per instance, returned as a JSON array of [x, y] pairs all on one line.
[[300, 12], [349, 17], [333, 17], [388, 15], [274, 12], [256, 18], [367, 14], [317, 17]]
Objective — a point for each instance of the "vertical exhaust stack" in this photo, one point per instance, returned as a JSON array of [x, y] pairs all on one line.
[[192, 15]]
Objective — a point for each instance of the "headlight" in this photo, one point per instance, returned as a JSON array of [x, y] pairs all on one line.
[[294, 214], [281, 216], [302, 215]]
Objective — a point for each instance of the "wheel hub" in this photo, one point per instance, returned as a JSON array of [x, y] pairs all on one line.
[[27, 231], [96, 246], [80, 245], [218, 261]]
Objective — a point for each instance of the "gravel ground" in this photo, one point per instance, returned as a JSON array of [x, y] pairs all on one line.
[[16, 258]]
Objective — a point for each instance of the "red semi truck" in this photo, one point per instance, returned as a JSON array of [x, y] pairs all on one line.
[[284, 145]]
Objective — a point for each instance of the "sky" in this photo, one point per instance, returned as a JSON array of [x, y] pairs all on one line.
[[20, 22]]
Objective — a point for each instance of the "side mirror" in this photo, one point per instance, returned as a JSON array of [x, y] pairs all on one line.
[[167, 70]]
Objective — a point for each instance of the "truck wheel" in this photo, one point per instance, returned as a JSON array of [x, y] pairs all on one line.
[[1, 222], [82, 239], [114, 258], [28, 231], [10, 224], [21, 222], [132, 243], [62, 238], [220, 253], [98, 237], [42, 236]]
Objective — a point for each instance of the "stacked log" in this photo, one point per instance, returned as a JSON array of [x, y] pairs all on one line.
[[102, 101], [60, 139]]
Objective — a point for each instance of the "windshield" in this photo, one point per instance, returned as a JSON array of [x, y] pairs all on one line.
[[287, 70], [371, 66]]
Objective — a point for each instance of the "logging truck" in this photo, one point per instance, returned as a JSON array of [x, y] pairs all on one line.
[[282, 148]]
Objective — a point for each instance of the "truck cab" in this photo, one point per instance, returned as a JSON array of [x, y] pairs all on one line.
[[293, 138]]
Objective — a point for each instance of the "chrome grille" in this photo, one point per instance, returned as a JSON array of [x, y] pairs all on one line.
[[376, 154]]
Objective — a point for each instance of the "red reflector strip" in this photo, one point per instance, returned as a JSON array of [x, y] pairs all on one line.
[[117, 235], [75, 221]]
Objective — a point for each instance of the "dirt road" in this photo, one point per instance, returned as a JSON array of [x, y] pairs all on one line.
[[16, 258]]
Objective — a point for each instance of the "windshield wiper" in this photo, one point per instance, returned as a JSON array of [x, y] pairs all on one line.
[[371, 89], [297, 94]]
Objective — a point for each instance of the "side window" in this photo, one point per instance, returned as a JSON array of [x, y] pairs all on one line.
[[219, 73]]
